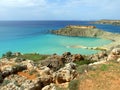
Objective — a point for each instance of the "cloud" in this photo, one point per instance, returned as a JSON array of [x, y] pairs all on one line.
[[59, 9], [21, 3]]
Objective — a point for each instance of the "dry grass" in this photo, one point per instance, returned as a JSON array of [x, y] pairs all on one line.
[[105, 77]]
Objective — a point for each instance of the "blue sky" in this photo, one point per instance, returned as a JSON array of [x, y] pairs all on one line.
[[59, 9]]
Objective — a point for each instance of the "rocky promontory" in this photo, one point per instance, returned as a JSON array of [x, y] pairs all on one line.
[[113, 22], [90, 31]]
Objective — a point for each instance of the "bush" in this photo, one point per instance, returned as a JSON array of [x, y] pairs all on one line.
[[8, 54], [74, 85], [35, 57], [84, 62], [104, 67]]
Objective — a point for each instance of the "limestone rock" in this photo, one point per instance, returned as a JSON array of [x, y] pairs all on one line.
[[114, 55], [77, 57], [65, 74], [49, 87]]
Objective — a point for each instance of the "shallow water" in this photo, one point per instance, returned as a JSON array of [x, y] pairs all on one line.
[[49, 44], [30, 37]]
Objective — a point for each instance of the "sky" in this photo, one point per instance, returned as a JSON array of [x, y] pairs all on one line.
[[59, 9]]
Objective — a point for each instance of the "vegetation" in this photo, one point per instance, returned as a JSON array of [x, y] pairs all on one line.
[[104, 67], [74, 85], [32, 56], [8, 54], [84, 62], [35, 57]]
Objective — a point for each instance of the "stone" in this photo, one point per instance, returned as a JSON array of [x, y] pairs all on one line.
[[114, 55], [116, 51], [77, 57], [118, 60], [49, 87], [65, 74]]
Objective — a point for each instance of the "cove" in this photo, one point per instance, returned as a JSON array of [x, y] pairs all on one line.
[[50, 44]]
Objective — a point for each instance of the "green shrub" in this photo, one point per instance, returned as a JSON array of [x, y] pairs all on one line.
[[7, 54], [74, 85], [35, 57], [104, 67], [84, 62]]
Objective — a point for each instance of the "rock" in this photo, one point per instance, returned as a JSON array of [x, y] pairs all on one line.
[[114, 55], [29, 63], [46, 80], [77, 57], [44, 71], [1, 78], [118, 60], [32, 85], [65, 74], [49, 87], [13, 69], [116, 51], [52, 63], [10, 86], [66, 54]]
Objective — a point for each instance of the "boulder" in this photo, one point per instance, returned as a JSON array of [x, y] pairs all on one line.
[[116, 51], [44, 70], [65, 74], [114, 55]]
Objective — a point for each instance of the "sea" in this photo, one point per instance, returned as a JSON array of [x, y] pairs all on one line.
[[36, 37]]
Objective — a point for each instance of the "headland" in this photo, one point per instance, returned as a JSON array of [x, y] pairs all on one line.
[[90, 31]]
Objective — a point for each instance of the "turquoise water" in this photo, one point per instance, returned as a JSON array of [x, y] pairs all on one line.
[[35, 37], [50, 44]]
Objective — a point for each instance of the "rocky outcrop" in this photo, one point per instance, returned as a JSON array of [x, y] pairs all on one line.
[[13, 69], [55, 62]]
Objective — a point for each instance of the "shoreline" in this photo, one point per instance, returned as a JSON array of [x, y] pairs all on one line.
[[90, 31]]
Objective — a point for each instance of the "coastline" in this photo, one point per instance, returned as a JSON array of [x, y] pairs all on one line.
[[90, 31]]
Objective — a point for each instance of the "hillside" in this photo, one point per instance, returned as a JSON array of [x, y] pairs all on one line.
[[65, 72]]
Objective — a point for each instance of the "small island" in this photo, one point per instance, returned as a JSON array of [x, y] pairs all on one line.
[[112, 22], [90, 31]]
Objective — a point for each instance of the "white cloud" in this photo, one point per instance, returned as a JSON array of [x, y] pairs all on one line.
[[58, 9], [22, 3]]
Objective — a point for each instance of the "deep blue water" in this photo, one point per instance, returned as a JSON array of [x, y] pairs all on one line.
[[35, 36]]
